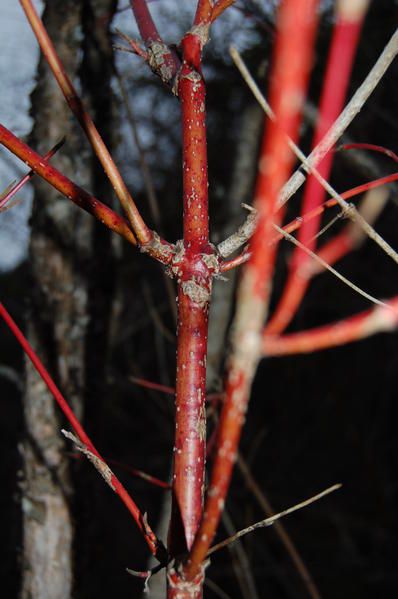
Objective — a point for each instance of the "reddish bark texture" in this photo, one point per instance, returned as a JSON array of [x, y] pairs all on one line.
[[194, 266], [341, 57], [292, 56], [357, 327], [191, 90], [65, 186]]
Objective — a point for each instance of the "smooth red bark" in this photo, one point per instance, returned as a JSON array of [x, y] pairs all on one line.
[[162, 60], [193, 266], [65, 186], [371, 322], [292, 58], [142, 232], [157, 248], [341, 56]]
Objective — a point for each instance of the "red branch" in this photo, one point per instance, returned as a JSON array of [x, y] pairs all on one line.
[[219, 8], [145, 23], [193, 266], [157, 248], [155, 546], [372, 147], [7, 197], [144, 235], [203, 15], [377, 320], [341, 55], [73, 192], [161, 59], [292, 59]]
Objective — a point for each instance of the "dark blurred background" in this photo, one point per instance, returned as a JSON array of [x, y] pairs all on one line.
[[100, 315]]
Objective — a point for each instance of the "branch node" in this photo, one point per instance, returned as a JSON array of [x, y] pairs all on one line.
[[158, 52]]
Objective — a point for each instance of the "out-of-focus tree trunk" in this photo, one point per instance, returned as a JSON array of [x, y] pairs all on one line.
[[240, 190], [63, 244]]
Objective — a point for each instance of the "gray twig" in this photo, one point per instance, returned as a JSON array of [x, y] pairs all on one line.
[[269, 521], [337, 129]]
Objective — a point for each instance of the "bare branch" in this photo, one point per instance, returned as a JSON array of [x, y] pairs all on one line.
[[352, 236], [73, 192], [346, 117], [155, 545], [97, 462], [219, 8], [163, 61], [143, 233], [279, 528], [270, 521], [310, 162], [327, 266], [241, 236], [13, 189], [371, 322]]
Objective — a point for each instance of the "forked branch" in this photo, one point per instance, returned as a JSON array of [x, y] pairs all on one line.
[[143, 233], [297, 24], [65, 186]]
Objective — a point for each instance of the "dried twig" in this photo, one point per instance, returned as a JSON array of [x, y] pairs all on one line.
[[279, 528], [96, 461], [240, 237], [240, 561], [352, 236], [269, 521], [346, 117], [135, 47], [342, 278], [373, 203], [310, 162]]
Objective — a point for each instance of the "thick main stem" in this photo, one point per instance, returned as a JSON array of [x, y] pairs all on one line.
[[194, 265], [292, 60]]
